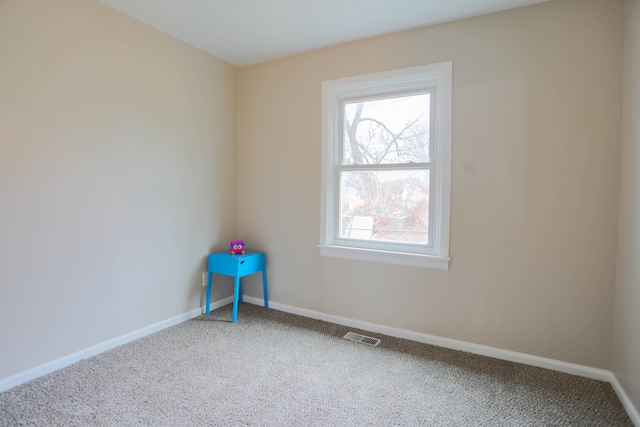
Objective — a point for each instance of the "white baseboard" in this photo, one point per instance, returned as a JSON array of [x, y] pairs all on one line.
[[512, 356], [497, 353], [38, 371], [632, 411]]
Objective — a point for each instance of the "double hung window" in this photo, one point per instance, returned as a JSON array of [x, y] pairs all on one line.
[[386, 167]]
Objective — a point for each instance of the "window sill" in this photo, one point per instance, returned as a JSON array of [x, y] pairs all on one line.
[[386, 257]]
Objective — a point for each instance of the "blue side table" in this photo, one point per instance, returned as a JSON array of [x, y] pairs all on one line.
[[237, 266]]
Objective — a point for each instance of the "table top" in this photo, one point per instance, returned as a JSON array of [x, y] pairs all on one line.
[[226, 254]]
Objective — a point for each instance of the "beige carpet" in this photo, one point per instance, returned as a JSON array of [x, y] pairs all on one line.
[[277, 369]]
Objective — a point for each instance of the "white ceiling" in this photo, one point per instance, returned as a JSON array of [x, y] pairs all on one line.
[[245, 32]]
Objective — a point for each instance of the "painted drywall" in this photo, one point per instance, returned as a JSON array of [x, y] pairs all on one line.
[[537, 104], [117, 177], [626, 351]]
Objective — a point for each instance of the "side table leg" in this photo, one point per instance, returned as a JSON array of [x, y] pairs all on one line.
[[236, 293], [264, 288], [206, 309]]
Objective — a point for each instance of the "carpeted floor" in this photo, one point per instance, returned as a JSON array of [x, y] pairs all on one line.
[[277, 369]]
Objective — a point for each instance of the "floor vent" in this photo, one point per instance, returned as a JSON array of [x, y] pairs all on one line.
[[361, 338]]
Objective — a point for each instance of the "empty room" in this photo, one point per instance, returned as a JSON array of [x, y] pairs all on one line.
[[456, 182]]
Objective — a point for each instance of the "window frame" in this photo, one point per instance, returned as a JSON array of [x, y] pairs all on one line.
[[433, 78]]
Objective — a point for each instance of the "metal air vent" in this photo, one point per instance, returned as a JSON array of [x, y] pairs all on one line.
[[352, 336]]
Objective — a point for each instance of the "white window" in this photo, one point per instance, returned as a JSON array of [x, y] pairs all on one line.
[[386, 167]]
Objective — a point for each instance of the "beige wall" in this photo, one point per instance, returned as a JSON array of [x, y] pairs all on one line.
[[117, 155], [626, 351], [536, 151]]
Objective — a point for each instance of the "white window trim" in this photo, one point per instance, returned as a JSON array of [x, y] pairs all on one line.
[[437, 76]]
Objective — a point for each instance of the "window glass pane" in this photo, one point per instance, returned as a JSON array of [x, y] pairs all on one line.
[[385, 205], [387, 131]]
